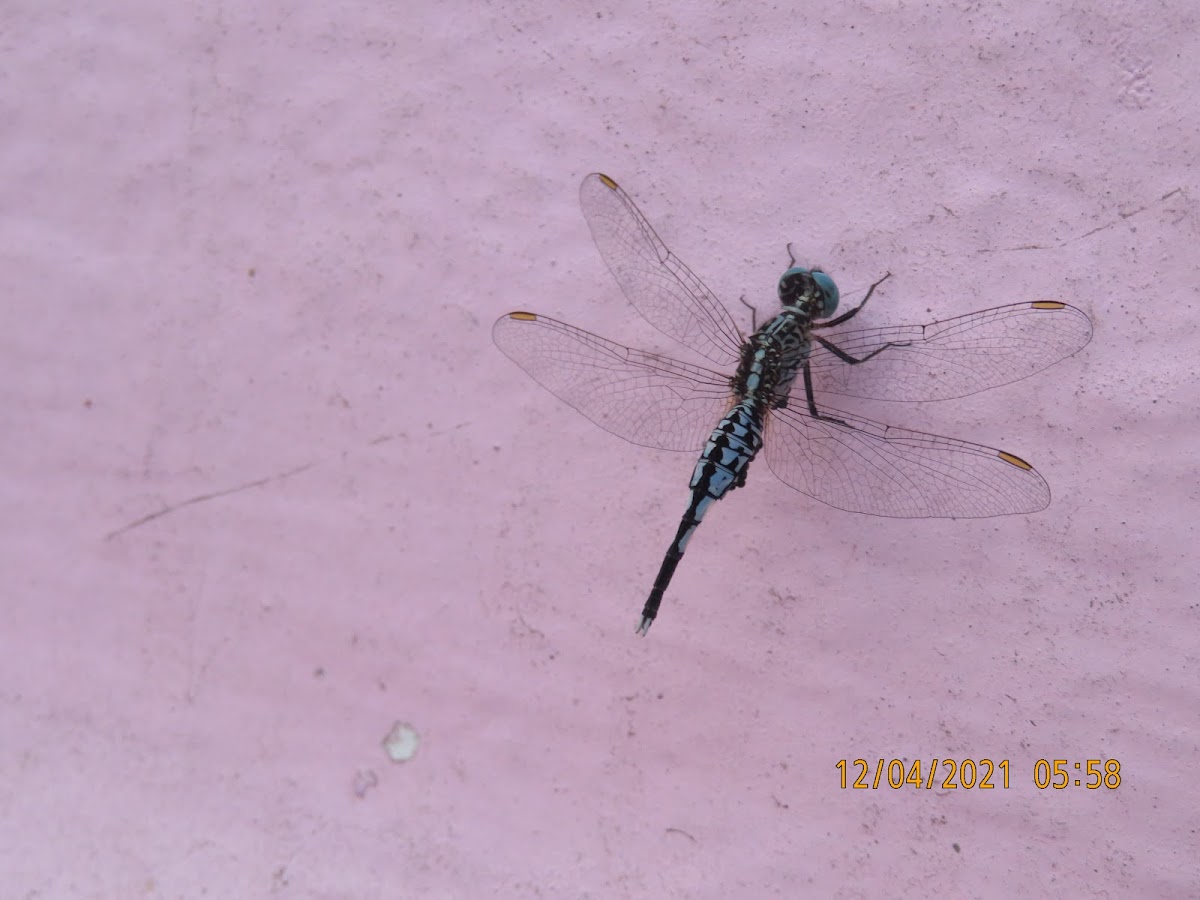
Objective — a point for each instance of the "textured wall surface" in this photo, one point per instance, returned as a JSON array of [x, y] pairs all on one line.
[[267, 489]]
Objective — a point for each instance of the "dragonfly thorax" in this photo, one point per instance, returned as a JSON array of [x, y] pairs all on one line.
[[809, 290], [771, 357]]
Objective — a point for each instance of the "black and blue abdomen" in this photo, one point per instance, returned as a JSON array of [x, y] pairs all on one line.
[[732, 446]]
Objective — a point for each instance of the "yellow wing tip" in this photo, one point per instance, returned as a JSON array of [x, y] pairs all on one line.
[[1048, 304], [523, 316], [1014, 460], [606, 181]]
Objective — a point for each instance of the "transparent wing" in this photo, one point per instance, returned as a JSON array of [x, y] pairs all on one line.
[[659, 286], [642, 397], [952, 358], [867, 467]]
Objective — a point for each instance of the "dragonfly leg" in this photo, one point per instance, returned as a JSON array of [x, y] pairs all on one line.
[[850, 314], [852, 360], [812, 404], [753, 312]]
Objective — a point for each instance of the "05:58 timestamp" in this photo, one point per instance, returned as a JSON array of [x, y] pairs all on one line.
[[1097, 773]]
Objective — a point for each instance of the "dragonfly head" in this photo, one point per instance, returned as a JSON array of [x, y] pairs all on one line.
[[808, 289]]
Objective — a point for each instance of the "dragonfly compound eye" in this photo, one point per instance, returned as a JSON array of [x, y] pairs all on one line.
[[794, 286], [829, 289], [809, 287]]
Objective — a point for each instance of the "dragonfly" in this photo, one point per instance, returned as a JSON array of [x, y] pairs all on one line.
[[769, 396]]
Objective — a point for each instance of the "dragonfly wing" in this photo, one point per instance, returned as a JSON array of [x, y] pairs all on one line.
[[868, 467], [952, 358], [660, 287], [651, 400]]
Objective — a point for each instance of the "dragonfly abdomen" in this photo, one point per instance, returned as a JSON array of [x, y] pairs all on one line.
[[722, 467], [732, 446]]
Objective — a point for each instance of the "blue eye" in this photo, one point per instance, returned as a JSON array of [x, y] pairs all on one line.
[[829, 289], [793, 283]]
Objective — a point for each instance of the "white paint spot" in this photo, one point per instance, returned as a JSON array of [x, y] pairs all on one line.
[[401, 742]]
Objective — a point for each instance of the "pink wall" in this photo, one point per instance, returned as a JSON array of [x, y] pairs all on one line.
[[251, 264]]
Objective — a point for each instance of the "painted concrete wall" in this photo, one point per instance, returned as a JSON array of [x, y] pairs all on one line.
[[267, 490]]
